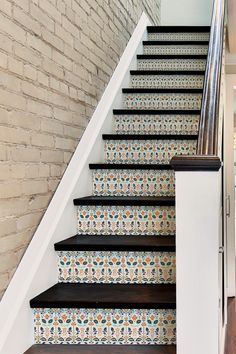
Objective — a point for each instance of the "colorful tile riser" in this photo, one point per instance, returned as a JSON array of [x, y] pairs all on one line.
[[133, 326]]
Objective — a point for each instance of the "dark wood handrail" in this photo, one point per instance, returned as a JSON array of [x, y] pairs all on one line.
[[206, 158], [209, 121]]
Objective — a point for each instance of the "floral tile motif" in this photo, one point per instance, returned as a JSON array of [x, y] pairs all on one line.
[[156, 124], [175, 49], [134, 182], [179, 36], [170, 101], [167, 81], [104, 326], [147, 151], [126, 220], [116, 267], [172, 64]]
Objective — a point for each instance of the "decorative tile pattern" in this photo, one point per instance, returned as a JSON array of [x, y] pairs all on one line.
[[147, 151], [175, 49], [132, 326], [179, 36], [134, 182], [167, 81], [170, 101], [156, 124], [172, 64], [116, 267], [126, 220], [104, 326]]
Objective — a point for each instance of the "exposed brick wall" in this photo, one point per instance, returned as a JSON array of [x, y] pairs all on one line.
[[56, 57]]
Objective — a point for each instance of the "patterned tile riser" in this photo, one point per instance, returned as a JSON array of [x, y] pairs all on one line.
[[175, 49], [104, 326], [172, 64], [170, 101], [178, 36], [153, 124], [126, 220], [167, 81], [131, 182], [116, 267], [147, 151]]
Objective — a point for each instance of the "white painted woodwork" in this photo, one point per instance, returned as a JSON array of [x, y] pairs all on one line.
[[229, 175], [198, 230]]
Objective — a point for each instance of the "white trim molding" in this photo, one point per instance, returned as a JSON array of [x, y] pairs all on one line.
[[198, 234], [38, 268], [230, 182]]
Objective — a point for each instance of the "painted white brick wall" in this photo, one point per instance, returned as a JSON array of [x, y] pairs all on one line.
[[56, 57]]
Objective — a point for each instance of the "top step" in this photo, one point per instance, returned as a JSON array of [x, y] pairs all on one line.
[[179, 34], [175, 29]]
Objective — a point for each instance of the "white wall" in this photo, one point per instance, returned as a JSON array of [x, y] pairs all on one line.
[[186, 12], [229, 172]]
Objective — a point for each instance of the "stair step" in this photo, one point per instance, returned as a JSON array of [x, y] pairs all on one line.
[[172, 56], [128, 166], [117, 243], [131, 220], [106, 314], [121, 112], [130, 182], [101, 349], [167, 79], [176, 29], [167, 72], [175, 47], [173, 65], [178, 36], [146, 148], [130, 201], [137, 122], [178, 43], [105, 326], [107, 296], [163, 91], [162, 99], [148, 137], [117, 267]]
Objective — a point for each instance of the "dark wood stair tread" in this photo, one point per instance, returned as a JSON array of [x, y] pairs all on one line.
[[174, 29], [114, 200], [117, 243], [122, 296], [179, 43], [128, 166], [167, 72], [162, 90], [171, 56], [101, 349], [154, 112], [149, 137]]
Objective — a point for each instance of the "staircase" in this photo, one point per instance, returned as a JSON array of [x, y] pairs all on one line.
[[116, 288]]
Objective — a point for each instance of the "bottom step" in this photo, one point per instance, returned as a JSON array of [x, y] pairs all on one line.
[[104, 326], [106, 314], [101, 349]]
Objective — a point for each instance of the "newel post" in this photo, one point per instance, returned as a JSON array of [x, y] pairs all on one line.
[[198, 234]]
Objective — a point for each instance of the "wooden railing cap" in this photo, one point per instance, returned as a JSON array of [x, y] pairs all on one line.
[[196, 163]]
